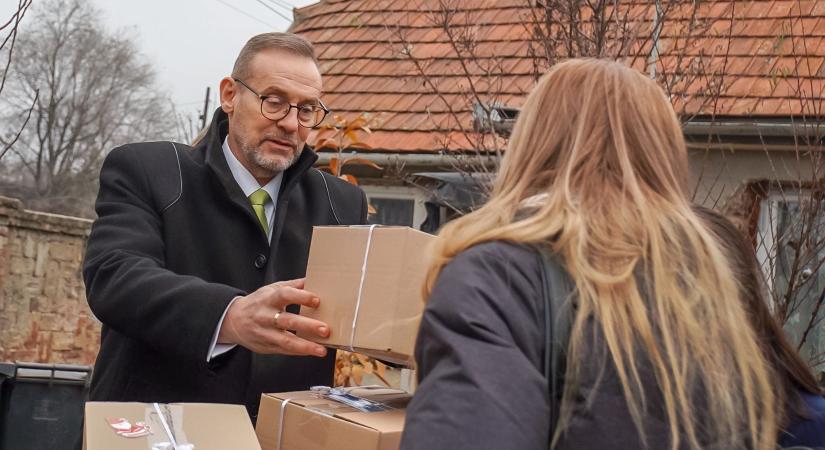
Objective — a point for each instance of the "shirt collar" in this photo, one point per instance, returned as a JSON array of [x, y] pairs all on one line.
[[245, 180]]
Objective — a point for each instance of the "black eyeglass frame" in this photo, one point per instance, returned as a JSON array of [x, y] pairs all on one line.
[[263, 98]]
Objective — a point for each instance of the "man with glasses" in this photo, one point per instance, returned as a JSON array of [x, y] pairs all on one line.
[[194, 264]]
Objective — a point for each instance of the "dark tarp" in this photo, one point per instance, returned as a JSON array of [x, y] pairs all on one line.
[[459, 192]]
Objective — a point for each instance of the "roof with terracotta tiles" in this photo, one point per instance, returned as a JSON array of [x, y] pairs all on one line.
[[392, 58]]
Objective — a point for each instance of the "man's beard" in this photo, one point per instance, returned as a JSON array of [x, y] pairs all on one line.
[[272, 165]]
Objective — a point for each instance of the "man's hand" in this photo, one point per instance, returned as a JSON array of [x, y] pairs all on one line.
[[251, 321]]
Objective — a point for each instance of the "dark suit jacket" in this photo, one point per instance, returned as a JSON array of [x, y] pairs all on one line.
[[174, 242]]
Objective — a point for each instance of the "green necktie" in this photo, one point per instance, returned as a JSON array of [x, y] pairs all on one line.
[[258, 198]]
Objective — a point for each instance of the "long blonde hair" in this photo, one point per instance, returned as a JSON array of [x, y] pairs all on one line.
[[602, 147]]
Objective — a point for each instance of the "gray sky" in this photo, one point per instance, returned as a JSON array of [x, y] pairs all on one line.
[[193, 43]]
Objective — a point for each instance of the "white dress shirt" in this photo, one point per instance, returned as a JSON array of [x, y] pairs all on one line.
[[248, 185]]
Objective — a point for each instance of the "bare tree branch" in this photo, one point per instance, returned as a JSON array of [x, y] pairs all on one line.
[[7, 145], [86, 90]]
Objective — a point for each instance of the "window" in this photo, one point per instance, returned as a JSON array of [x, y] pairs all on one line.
[[392, 211], [396, 205], [791, 249]]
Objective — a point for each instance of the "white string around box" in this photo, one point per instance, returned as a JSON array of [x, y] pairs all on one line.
[[318, 390], [281, 422], [352, 333], [361, 288], [173, 443]]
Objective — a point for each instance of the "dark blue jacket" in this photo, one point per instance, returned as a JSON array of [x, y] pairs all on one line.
[[480, 357], [808, 431]]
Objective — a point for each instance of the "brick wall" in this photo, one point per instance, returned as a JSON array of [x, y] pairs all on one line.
[[43, 312]]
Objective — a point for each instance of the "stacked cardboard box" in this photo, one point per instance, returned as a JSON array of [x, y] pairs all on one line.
[[312, 420], [142, 426]]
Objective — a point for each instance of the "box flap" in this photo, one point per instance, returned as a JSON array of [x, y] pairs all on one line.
[[384, 421]]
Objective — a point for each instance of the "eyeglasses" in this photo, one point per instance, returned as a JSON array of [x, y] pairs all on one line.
[[276, 108]]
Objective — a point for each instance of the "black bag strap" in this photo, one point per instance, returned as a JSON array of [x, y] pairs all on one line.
[[558, 320]]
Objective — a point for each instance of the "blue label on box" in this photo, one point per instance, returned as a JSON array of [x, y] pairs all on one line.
[[358, 403]]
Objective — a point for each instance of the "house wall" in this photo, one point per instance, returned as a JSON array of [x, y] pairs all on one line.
[[717, 175], [43, 312]]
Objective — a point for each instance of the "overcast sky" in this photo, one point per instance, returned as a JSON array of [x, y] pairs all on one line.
[[193, 43]]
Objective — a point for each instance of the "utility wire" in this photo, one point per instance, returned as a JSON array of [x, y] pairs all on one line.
[[282, 4], [246, 14], [284, 16]]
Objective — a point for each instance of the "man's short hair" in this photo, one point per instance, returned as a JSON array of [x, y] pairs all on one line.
[[288, 42]]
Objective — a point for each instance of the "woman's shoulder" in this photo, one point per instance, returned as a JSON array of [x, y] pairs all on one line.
[[807, 431], [815, 403], [497, 253], [490, 272]]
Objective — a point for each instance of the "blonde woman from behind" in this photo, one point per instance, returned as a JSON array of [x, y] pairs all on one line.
[[661, 354]]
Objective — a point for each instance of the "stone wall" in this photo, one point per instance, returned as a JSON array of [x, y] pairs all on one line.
[[43, 312]]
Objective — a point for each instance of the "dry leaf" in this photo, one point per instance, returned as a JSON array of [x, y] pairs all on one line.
[[326, 143], [357, 374], [349, 179], [383, 380], [333, 166], [363, 161], [360, 144]]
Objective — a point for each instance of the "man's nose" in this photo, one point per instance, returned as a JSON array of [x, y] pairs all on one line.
[[290, 121]]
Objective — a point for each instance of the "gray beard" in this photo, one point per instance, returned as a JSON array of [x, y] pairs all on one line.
[[273, 167]]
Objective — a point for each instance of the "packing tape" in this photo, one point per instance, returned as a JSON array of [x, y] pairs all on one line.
[[323, 392], [360, 288]]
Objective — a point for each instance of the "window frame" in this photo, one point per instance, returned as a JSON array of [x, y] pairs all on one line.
[[400, 193]]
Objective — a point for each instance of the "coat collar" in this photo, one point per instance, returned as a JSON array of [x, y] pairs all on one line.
[[215, 160]]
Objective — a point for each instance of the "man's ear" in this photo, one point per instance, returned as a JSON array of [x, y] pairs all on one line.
[[229, 89]]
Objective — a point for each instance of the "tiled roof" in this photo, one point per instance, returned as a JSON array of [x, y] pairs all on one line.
[[775, 50]]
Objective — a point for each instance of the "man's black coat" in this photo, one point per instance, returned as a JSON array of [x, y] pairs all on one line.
[[175, 241]]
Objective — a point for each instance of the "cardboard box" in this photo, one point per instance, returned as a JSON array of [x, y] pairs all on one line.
[[206, 426], [385, 268], [312, 422]]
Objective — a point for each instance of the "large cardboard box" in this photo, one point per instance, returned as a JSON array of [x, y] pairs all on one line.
[[369, 280], [204, 426], [310, 421]]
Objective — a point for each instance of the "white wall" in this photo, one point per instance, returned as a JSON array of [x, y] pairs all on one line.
[[718, 173]]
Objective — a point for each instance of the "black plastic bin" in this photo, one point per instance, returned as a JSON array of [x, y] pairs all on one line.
[[6, 375], [42, 405]]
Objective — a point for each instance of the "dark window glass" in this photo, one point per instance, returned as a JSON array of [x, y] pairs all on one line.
[[392, 211]]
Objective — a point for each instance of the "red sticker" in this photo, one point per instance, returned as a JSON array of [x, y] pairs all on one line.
[[124, 428]]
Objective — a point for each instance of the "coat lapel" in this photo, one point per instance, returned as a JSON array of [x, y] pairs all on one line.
[[292, 177], [216, 162]]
